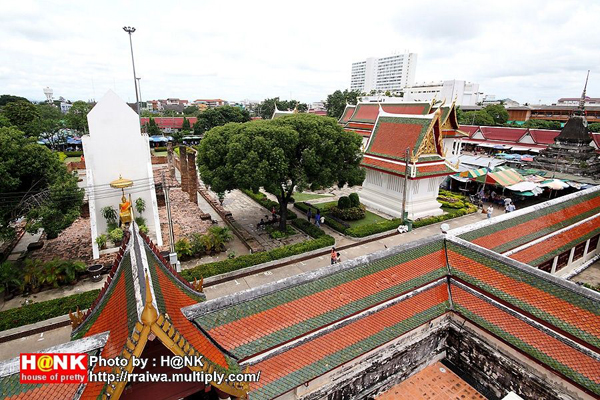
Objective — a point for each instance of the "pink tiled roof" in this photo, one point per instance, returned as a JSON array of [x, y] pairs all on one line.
[[543, 136], [501, 133]]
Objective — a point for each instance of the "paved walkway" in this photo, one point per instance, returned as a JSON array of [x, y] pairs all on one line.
[[248, 213], [273, 275]]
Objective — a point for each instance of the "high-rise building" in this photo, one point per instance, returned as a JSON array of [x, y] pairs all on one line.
[[391, 73]]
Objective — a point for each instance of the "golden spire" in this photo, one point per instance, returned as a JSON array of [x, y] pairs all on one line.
[[149, 314], [76, 319]]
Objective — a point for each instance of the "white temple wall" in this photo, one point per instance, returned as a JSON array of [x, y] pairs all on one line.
[[453, 146], [116, 147], [383, 192]]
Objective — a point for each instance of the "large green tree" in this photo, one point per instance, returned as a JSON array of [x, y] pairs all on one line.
[[219, 116], [76, 117], [8, 98], [336, 102], [267, 107], [22, 115], [35, 185], [50, 125], [190, 111], [185, 126], [475, 118], [497, 112], [294, 152]]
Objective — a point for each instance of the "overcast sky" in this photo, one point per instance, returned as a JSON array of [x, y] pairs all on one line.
[[525, 50]]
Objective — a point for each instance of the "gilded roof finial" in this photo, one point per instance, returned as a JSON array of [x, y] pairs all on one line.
[[76, 319], [149, 314]]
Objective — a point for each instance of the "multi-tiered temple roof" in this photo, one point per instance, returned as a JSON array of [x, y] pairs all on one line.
[[345, 322], [394, 134]]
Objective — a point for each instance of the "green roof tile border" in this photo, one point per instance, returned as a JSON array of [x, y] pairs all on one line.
[[528, 349], [309, 283], [514, 220], [291, 332], [562, 248], [359, 348], [563, 290]]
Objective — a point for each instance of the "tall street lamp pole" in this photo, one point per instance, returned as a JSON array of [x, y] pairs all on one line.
[[130, 30]]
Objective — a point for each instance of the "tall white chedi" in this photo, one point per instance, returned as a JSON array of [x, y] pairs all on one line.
[[115, 147]]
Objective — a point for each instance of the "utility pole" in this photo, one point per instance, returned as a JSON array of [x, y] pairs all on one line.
[[130, 30], [405, 187]]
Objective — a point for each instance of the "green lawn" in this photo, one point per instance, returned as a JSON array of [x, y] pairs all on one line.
[[160, 153], [72, 159], [369, 218], [308, 196]]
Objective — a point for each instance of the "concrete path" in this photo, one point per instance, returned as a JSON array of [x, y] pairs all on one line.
[[273, 275], [35, 342]]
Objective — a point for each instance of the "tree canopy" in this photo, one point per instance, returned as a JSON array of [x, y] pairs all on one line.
[[497, 112], [595, 127], [8, 98], [35, 184], [50, 124], [152, 128], [219, 116], [22, 115], [77, 117], [267, 107], [336, 102], [541, 124], [190, 111], [295, 152]]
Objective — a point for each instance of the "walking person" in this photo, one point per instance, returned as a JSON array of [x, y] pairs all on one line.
[[511, 207], [309, 214], [318, 219], [333, 256], [490, 211]]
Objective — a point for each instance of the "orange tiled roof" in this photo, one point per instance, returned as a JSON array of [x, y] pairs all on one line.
[[551, 247], [564, 359]]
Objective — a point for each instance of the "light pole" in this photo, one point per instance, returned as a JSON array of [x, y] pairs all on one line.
[[130, 30]]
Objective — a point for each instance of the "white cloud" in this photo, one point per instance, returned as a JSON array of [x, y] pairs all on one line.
[[238, 49]]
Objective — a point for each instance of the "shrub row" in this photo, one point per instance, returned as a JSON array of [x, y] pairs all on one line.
[[349, 213], [261, 199], [73, 153], [160, 148], [221, 267], [42, 311], [371, 229], [308, 228]]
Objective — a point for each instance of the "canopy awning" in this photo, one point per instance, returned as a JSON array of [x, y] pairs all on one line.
[[158, 139], [459, 178], [474, 173], [554, 184], [503, 177]]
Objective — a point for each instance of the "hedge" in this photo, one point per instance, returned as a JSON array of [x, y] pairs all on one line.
[[221, 267], [73, 153], [371, 229], [261, 199], [160, 148], [44, 310], [308, 228]]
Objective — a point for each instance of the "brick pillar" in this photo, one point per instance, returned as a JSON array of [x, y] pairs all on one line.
[[192, 177], [183, 168], [170, 161]]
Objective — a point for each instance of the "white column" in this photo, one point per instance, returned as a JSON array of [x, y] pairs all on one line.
[[554, 265]]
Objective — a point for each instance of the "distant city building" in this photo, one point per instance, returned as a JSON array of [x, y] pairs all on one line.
[[65, 106], [210, 103], [383, 74], [465, 93], [490, 99], [574, 101]]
